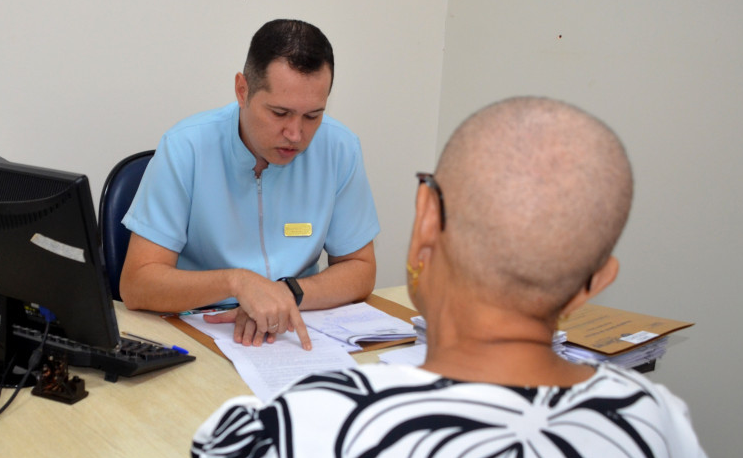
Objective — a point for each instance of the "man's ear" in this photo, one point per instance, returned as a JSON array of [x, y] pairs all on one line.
[[600, 280], [241, 89]]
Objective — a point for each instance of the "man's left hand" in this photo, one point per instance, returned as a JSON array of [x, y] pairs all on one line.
[[246, 330]]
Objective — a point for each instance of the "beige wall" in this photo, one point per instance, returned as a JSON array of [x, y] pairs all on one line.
[[666, 75]]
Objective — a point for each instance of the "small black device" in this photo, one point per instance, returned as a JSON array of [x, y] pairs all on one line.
[[294, 287]]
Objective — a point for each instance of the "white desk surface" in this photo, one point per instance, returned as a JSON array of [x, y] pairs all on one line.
[[152, 414]]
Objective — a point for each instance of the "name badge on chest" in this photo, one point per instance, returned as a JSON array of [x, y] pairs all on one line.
[[297, 229]]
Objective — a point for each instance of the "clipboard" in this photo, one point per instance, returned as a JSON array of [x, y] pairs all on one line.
[[387, 306]]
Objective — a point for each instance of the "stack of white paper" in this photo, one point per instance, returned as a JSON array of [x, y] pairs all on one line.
[[419, 325], [354, 323], [558, 342], [629, 359], [414, 355]]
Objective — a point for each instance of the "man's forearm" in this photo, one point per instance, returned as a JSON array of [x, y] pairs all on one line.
[[151, 281], [167, 289], [343, 282]]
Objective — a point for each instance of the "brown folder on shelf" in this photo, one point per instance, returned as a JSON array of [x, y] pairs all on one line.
[[609, 331], [385, 305]]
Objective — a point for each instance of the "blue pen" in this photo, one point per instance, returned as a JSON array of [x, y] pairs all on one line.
[[212, 309], [154, 342]]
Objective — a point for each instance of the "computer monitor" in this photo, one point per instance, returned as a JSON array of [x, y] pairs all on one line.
[[50, 256]]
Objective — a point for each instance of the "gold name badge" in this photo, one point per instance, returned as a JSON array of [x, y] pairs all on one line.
[[297, 229]]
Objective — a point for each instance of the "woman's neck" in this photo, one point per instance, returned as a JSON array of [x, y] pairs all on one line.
[[493, 345]]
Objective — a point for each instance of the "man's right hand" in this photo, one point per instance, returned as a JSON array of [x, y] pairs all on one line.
[[266, 308], [150, 280]]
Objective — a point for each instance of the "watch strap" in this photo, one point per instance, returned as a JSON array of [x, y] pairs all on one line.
[[294, 287]]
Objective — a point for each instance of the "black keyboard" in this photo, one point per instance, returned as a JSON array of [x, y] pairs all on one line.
[[131, 358]]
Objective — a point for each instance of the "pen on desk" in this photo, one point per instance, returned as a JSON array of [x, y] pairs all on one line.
[[154, 342], [216, 308]]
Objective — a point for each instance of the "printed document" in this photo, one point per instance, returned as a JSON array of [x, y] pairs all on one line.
[[271, 367], [354, 323]]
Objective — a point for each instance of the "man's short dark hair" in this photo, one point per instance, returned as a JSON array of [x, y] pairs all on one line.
[[303, 45]]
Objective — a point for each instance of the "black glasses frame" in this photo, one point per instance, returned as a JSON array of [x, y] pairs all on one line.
[[429, 180]]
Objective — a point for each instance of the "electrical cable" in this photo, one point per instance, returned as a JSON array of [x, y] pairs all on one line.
[[33, 360]]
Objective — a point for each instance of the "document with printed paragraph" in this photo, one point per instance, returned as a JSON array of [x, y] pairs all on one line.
[[271, 367]]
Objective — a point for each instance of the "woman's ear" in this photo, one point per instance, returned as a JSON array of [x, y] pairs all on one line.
[[599, 281], [425, 225]]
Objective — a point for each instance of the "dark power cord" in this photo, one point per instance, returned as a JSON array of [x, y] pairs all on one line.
[[33, 360]]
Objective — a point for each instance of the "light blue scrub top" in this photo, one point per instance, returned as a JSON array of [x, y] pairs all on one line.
[[200, 198]]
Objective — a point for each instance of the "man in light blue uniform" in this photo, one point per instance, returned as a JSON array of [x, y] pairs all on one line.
[[242, 196]]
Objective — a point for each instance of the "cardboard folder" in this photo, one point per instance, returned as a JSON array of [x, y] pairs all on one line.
[[611, 331]]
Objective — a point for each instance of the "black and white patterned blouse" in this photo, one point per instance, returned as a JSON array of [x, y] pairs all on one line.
[[403, 411]]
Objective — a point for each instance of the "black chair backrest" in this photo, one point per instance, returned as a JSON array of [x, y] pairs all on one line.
[[117, 196]]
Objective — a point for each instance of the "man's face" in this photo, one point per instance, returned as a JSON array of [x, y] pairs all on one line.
[[279, 122]]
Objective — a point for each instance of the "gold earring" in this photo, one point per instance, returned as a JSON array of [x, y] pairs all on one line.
[[414, 273]]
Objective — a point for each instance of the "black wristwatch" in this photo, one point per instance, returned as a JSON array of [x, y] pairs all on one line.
[[294, 287]]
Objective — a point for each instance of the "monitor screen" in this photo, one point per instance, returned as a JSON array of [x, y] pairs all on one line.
[[50, 255]]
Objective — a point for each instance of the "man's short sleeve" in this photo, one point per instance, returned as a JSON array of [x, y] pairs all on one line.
[[354, 222], [160, 209]]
